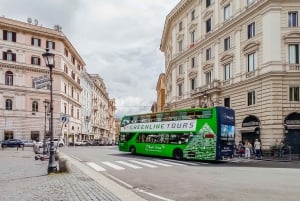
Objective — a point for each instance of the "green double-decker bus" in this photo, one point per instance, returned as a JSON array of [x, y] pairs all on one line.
[[194, 133]]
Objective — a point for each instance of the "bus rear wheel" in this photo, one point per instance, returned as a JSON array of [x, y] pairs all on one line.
[[132, 150], [177, 154]]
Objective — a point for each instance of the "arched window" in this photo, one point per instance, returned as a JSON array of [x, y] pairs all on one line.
[[35, 106], [8, 104], [9, 78]]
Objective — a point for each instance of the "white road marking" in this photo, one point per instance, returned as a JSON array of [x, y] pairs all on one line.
[[144, 164], [173, 163], [156, 163], [129, 165], [153, 195], [113, 166], [95, 166]]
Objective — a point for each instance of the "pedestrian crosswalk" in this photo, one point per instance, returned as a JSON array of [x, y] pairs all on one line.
[[135, 164], [153, 163]]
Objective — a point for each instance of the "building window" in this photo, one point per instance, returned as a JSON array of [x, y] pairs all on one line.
[[251, 62], [227, 43], [293, 19], [294, 54], [65, 88], [192, 36], [77, 113], [180, 70], [50, 45], [208, 54], [8, 135], [180, 90], [251, 30], [208, 3], [193, 15], [180, 46], [35, 61], [251, 98], [227, 12], [66, 52], [208, 25], [180, 26], [8, 104], [65, 108], [36, 42], [73, 60], [9, 78], [227, 102], [294, 94], [78, 80], [226, 71], [35, 106], [66, 69], [208, 77], [193, 84], [9, 56], [72, 92], [193, 63], [72, 111], [9, 36]]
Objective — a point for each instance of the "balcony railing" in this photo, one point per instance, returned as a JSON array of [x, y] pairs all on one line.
[[294, 67]]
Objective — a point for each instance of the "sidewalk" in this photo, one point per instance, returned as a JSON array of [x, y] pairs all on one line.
[[24, 178]]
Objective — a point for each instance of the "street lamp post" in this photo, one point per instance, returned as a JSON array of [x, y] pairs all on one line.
[[46, 104], [49, 60]]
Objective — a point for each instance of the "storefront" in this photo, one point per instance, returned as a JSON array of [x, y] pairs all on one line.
[[250, 129], [292, 132]]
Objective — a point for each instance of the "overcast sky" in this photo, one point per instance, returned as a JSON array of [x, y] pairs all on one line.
[[117, 39]]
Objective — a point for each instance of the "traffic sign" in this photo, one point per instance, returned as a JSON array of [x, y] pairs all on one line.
[[64, 118]]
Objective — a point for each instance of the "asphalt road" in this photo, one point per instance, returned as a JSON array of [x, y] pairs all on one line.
[[168, 179]]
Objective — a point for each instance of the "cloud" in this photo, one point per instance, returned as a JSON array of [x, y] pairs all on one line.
[[117, 39]]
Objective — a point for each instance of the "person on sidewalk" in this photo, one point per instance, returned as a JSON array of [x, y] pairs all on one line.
[[257, 147], [281, 148], [248, 147], [241, 149]]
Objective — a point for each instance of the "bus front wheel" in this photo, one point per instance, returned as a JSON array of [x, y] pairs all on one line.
[[132, 150], [177, 154]]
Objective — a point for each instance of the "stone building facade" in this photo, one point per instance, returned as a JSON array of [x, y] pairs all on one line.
[[239, 54], [24, 84]]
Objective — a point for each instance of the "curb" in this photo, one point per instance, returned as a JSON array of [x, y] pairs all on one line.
[[121, 192]]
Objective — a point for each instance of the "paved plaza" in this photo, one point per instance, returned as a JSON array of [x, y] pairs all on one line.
[[24, 178]]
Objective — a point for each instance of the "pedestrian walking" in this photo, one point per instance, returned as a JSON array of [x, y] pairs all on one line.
[[257, 147], [248, 147], [241, 149]]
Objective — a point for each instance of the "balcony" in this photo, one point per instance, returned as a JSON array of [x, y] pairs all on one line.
[[294, 67], [214, 86]]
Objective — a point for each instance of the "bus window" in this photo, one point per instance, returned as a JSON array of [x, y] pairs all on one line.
[[164, 138], [198, 114], [159, 117], [141, 137], [124, 137], [125, 121]]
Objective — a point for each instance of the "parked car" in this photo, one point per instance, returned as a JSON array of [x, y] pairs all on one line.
[[29, 143], [58, 142], [78, 143], [82, 143], [12, 143]]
